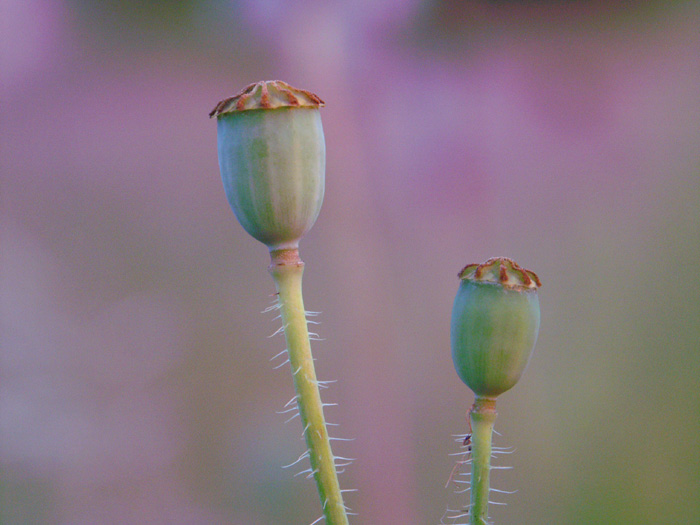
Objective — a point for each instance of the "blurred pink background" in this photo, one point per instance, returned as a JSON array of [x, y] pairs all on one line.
[[135, 376]]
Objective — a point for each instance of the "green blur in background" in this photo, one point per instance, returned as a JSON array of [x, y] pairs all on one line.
[[136, 384]]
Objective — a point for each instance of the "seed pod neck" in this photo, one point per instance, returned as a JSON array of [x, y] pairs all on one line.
[[284, 257], [484, 405]]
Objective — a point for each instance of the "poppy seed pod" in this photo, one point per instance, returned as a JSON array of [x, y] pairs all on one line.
[[272, 158], [495, 321]]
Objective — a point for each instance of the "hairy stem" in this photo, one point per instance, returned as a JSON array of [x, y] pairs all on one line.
[[287, 269], [482, 417]]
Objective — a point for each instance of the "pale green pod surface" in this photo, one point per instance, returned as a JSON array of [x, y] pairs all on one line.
[[495, 322], [272, 158]]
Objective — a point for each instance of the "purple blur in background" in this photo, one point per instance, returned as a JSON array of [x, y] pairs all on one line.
[[135, 376]]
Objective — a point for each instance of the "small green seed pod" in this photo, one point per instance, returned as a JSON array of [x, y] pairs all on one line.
[[272, 158], [495, 320]]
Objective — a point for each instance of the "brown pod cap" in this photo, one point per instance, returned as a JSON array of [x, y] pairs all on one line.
[[267, 94]]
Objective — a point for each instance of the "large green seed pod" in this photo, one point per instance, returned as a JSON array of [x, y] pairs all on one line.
[[495, 321], [272, 157]]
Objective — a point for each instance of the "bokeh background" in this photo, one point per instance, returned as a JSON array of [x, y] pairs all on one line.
[[136, 383]]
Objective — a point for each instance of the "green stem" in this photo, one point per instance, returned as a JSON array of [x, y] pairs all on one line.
[[481, 417], [287, 269]]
